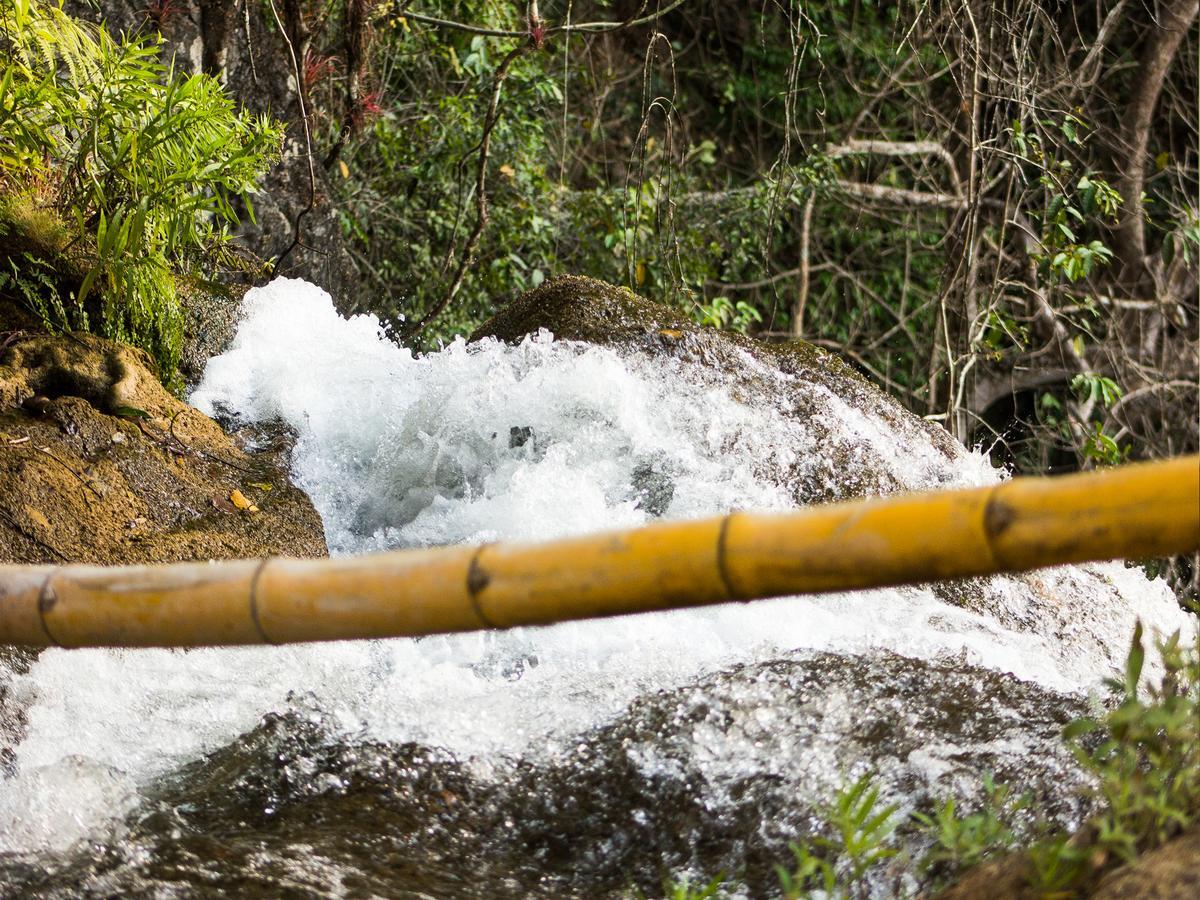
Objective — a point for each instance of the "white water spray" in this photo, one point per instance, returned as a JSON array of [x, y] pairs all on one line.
[[491, 441]]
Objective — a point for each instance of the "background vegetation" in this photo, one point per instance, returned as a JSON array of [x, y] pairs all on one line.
[[989, 208]]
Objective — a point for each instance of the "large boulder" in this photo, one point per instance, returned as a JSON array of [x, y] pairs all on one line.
[[718, 776], [846, 438], [841, 409], [98, 463]]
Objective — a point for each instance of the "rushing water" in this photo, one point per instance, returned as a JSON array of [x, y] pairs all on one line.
[[573, 759]]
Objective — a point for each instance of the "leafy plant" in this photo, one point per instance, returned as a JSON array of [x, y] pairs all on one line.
[[962, 841], [683, 890], [724, 313], [1147, 760], [860, 827], [1096, 388], [1145, 756], [143, 166], [31, 281], [1102, 449]]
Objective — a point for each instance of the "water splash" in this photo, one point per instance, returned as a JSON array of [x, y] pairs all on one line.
[[539, 440]]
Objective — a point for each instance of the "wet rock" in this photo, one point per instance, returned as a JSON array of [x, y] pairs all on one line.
[[108, 467], [652, 490], [851, 440], [210, 318], [518, 436], [716, 776], [798, 379]]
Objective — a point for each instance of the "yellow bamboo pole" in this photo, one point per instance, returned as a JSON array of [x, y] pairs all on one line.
[[1134, 511]]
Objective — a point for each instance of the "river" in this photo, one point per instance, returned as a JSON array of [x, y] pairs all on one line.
[[576, 760]]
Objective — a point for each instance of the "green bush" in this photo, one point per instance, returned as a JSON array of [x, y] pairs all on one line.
[[117, 172]]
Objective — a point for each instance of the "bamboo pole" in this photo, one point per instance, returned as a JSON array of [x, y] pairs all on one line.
[[1135, 511]]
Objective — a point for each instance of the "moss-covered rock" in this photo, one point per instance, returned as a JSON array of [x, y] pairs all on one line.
[[99, 463], [210, 317], [800, 380]]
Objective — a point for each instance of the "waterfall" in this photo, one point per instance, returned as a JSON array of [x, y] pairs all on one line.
[[487, 441]]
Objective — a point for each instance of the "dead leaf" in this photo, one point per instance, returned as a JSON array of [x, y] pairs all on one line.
[[38, 518], [508, 171], [239, 500]]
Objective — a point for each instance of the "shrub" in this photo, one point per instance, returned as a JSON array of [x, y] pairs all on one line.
[[120, 175], [1144, 754]]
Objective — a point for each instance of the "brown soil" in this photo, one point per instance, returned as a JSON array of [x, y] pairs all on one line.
[[1171, 872]]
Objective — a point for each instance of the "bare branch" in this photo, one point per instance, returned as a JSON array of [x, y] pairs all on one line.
[[898, 148], [308, 152], [580, 28]]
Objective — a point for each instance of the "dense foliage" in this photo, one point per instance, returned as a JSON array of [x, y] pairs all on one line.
[[117, 177], [987, 207]]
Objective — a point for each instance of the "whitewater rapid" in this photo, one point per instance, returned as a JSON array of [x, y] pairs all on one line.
[[487, 441]]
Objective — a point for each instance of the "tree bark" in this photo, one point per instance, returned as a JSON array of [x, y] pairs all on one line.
[[1158, 52]]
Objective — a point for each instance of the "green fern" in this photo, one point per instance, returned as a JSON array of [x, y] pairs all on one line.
[[145, 165]]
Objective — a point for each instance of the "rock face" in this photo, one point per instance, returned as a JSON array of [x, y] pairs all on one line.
[[210, 317], [713, 777], [98, 463], [798, 379]]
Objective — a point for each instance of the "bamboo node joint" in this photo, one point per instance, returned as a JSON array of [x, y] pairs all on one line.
[[997, 516], [47, 600], [478, 578]]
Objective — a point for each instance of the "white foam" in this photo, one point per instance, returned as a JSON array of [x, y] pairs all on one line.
[[479, 442]]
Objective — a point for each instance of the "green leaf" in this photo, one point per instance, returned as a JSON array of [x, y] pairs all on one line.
[[130, 412], [1134, 662], [1079, 727]]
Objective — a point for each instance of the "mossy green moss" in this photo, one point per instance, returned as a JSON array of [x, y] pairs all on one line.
[[577, 308]]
